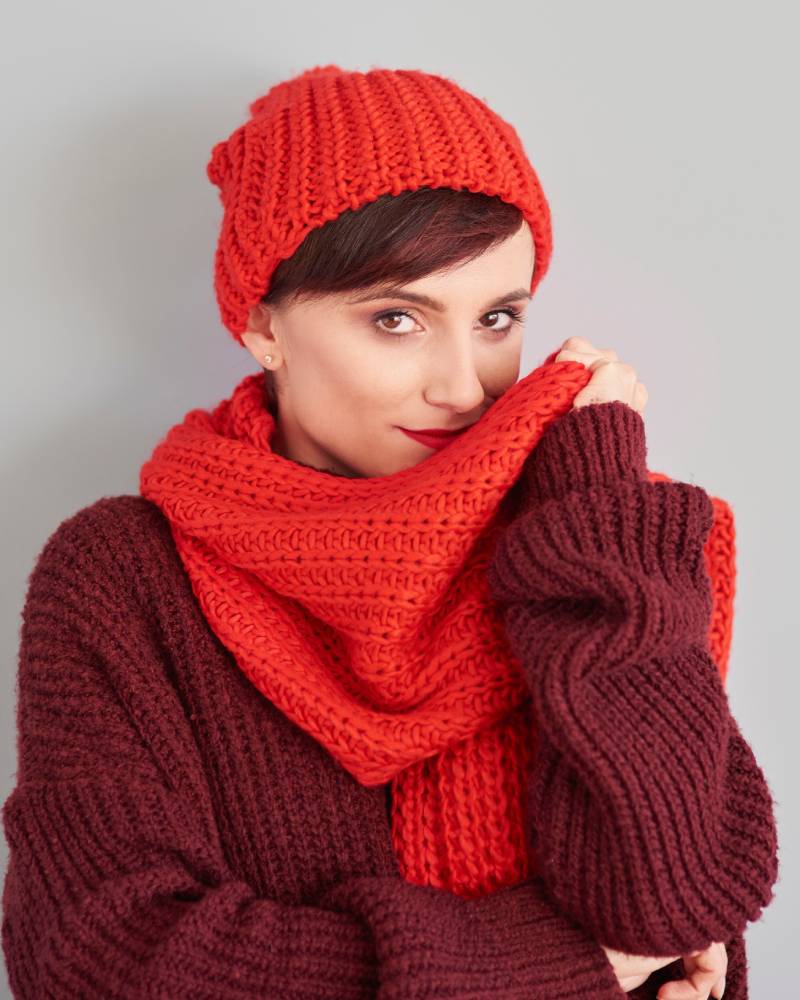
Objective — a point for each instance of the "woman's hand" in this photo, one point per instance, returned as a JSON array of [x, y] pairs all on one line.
[[611, 379], [705, 972], [633, 970]]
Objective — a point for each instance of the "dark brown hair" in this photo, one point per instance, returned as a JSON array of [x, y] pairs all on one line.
[[396, 238]]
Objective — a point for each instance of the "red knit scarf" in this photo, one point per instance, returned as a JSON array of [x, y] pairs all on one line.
[[359, 607]]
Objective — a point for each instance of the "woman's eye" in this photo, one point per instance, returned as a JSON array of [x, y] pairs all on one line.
[[514, 317], [387, 322], [390, 316]]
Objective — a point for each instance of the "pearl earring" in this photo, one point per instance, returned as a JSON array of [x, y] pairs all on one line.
[[268, 358]]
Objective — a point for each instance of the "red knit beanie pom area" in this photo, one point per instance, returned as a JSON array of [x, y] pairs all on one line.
[[329, 140]]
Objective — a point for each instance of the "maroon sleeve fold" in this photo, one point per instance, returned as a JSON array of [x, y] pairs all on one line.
[[112, 891], [651, 822], [118, 884]]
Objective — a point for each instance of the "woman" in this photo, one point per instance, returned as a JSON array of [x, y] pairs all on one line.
[[402, 677]]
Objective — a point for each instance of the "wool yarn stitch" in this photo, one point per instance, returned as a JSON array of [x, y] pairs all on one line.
[[329, 140], [360, 608]]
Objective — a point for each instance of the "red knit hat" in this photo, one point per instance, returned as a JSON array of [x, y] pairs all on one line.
[[329, 140]]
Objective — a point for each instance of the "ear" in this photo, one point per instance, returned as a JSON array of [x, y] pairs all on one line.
[[258, 337]]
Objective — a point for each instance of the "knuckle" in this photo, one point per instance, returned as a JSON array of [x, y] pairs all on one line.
[[576, 343]]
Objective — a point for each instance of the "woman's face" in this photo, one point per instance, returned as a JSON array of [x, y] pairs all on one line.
[[353, 368]]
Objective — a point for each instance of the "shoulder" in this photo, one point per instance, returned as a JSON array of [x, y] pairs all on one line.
[[105, 589], [115, 540], [106, 518]]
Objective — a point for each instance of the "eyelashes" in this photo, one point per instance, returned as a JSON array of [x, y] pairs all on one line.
[[515, 316]]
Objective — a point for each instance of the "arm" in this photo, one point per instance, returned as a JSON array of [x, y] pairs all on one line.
[[113, 892], [651, 821], [118, 884]]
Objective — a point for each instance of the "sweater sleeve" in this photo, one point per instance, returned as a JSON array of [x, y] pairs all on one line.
[[118, 885], [651, 824]]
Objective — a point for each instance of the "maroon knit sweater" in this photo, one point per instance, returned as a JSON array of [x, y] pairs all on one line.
[[172, 834]]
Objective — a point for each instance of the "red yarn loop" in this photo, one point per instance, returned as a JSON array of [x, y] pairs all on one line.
[[219, 164]]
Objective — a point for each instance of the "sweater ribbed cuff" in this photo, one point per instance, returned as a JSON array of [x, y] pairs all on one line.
[[545, 952], [590, 445], [512, 944]]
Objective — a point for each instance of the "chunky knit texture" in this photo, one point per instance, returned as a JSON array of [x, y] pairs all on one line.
[[331, 140], [173, 833], [360, 608], [641, 769]]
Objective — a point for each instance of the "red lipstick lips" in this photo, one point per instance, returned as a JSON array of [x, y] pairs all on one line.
[[434, 438]]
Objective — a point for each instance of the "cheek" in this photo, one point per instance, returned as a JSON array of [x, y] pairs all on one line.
[[353, 384]]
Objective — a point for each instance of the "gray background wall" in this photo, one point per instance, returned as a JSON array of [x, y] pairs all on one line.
[[665, 138]]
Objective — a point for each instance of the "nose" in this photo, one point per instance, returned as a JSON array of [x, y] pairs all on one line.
[[455, 384]]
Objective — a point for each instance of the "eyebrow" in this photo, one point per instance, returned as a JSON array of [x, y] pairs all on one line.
[[398, 292]]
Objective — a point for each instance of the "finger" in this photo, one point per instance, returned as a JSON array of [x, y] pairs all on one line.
[[703, 970], [612, 380], [683, 989], [585, 357], [679, 989], [594, 362], [712, 960], [718, 989], [703, 982], [580, 344]]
